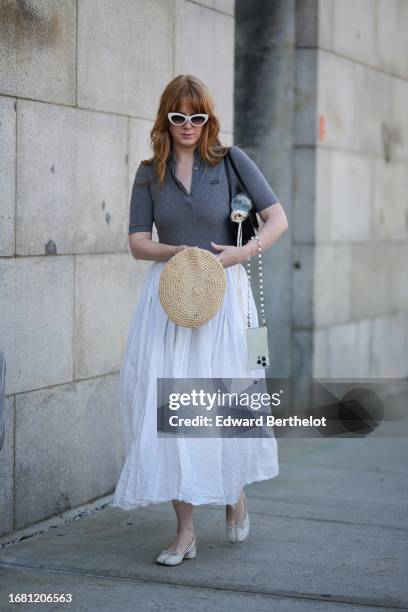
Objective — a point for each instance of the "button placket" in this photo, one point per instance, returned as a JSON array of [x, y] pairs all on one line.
[[194, 176], [188, 198]]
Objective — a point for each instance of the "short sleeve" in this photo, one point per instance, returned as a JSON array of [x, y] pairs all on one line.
[[141, 213], [255, 184]]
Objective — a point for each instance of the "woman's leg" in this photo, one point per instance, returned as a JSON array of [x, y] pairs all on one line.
[[236, 513], [185, 526]]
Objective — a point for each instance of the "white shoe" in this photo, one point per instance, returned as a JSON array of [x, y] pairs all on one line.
[[168, 557], [237, 532]]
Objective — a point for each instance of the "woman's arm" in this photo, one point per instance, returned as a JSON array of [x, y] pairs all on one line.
[[265, 203], [275, 224], [143, 247], [141, 218]]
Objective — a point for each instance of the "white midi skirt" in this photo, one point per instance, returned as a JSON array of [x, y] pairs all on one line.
[[197, 470]]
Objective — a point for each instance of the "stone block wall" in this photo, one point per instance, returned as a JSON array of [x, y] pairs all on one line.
[[350, 216], [80, 83]]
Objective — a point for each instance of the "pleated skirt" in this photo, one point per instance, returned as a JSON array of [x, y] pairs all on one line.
[[196, 470]]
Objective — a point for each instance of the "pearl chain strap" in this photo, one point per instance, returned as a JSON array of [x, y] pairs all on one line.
[[260, 284]]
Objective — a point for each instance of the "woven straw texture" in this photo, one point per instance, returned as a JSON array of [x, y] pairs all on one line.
[[192, 287]]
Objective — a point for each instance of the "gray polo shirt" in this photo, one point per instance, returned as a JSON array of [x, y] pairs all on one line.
[[202, 215]]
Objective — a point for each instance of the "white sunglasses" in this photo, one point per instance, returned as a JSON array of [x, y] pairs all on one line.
[[180, 119]]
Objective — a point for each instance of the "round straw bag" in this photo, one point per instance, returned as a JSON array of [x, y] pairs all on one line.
[[192, 286]]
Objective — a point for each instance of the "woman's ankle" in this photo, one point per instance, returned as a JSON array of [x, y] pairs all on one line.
[[189, 530], [239, 500]]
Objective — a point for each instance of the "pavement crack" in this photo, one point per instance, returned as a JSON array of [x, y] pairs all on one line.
[[244, 590]]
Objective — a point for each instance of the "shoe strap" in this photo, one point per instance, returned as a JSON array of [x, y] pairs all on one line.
[[169, 552]]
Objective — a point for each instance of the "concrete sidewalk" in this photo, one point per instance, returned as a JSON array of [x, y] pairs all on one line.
[[329, 533]]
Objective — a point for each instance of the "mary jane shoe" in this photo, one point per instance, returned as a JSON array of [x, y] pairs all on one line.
[[237, 532], [167, 557]]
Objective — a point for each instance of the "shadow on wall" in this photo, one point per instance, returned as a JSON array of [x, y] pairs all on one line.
[[21, 25]]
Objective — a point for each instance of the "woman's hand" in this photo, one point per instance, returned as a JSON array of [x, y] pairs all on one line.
[[231, 255], [180, 247]]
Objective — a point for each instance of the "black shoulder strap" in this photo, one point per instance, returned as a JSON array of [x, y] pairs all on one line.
[[235, 168], [227, 157], [227, 172]]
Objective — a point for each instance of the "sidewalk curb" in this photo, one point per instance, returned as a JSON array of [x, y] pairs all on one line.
[[64, 518]]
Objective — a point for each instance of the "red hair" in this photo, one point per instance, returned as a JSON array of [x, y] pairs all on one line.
[[185, 87]]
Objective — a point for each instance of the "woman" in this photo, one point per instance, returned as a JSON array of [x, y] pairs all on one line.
[[183, 189]]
